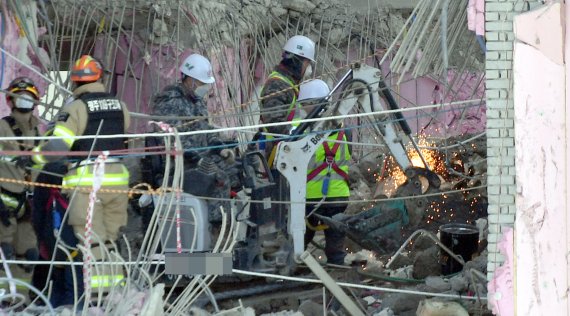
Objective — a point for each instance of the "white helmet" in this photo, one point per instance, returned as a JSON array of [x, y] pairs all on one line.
[[301, 46], [313, 89], [198, 67]]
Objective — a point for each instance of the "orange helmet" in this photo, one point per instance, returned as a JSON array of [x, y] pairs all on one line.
[[23, 84], [86, 69]]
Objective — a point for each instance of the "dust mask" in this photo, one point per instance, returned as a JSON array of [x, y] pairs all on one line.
[[202, 91], [24, 103], [308, 72]]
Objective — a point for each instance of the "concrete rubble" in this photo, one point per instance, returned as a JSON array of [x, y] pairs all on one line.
[[227, 26]]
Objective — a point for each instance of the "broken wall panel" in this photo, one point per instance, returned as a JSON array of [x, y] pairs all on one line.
[[541, 164]]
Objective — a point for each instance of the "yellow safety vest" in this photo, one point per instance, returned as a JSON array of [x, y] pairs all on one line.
[[327, 172]]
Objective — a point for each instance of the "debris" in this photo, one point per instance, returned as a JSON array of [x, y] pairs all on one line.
[[478, 263], [458, 283], [360, 256], [426, 263], [310, 308], [400, 303], [284, 313], [195, 311], [385, 312], [403, 273], [437, 284], [401, 261], [432, 307], [370, 299]]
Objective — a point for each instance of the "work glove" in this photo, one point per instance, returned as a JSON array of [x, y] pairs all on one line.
[[228, 155], [145, 200], [23, 162]]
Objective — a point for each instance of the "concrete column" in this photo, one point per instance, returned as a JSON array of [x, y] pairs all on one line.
[[541, 244], [500, 119]]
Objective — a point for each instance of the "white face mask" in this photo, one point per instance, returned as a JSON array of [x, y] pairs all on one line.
[[308, 72], [24, 103], [202, 91]]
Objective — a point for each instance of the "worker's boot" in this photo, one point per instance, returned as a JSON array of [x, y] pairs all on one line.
[[30, 255]]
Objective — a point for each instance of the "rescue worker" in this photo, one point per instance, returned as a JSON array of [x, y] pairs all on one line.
[[327, 178], [17, 237], [92, 112], [280, 91], [187, 98]]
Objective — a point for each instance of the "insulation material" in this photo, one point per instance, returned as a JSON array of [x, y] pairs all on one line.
[[501, 287], [476, 16], [540, 140], [16, 44]]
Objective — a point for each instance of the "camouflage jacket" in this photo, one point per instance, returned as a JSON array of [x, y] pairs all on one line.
[[274, 108], [175, 100]]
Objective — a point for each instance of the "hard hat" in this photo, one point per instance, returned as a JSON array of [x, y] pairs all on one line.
[[23, 84], [313, 89], [301, 46], [86, 69], [198, 67]]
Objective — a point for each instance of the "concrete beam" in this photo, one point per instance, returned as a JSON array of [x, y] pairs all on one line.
[[363, 5]]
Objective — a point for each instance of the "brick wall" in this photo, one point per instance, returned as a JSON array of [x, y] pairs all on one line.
[[500, 119]]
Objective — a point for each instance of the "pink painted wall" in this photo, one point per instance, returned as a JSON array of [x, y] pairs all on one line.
[[541, 164], [159, 67], [17, 46]]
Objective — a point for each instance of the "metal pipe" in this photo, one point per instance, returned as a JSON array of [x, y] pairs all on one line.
[[330, 283], [434, 238]]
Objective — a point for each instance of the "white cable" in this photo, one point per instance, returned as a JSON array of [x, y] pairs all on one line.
[[239, 128], [34, 70], [353, 285], [458, 143]]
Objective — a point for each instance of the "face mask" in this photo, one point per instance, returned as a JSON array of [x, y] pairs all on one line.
[[308, 72], [24, 103], [202, 91]]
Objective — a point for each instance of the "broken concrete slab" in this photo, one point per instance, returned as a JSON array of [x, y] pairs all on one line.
[[401, 303], [310, 308], [432, 307], [385, 312], [459, 283], [426, 263], [437, 284]]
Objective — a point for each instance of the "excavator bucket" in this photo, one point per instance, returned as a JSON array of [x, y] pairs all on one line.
[[377, 229]]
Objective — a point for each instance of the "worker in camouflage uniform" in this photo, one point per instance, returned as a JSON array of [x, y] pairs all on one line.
[[280, 91], [187, 98], [17, 236]]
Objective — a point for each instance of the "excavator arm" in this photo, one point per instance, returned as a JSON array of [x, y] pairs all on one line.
[[362, 86]]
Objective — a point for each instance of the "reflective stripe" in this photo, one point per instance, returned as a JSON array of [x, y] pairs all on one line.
[[278, 75], [38, 158], [66, 133], [8, 158], [98, 281], [337, 183], [86, 178], [9, 201]]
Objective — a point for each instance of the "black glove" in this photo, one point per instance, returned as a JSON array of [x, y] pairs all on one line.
[[23, 161]]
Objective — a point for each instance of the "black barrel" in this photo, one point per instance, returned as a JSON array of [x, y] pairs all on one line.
[[463, 240]]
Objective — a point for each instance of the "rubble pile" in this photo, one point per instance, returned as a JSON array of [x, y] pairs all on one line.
[[460, 166]]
